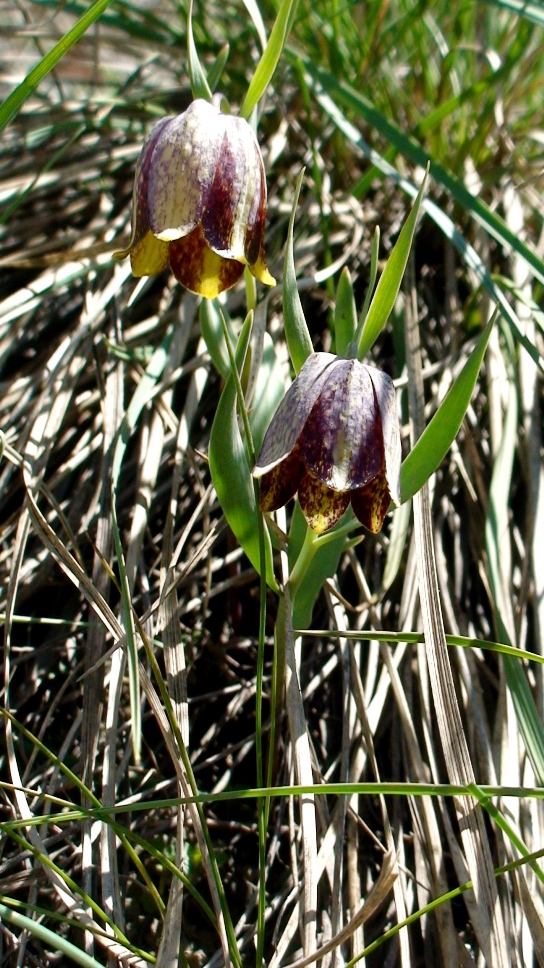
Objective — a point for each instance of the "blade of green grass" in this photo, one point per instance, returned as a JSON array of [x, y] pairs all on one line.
[[54, 942], [299, 341], [269, 60], [390, 281]]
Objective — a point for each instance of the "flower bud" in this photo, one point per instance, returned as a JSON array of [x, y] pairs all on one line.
[[199, 202]]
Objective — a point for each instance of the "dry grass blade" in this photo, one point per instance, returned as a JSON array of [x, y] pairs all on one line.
[[492, 935], [304, 776]]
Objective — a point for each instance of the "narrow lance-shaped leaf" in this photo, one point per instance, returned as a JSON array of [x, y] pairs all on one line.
[[390, 280], [371, 282], [298, 338], [216, 70], [345, 314], [197, 76], [269, 60], [438, 436], [231, 473]]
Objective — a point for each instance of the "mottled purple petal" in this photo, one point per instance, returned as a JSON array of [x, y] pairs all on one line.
[[370, 503], [341, 443], [321, 506], [140, 218], [288, 421], [254, 240], [234, 205], [280, 484], [387, 403], [183, 166]]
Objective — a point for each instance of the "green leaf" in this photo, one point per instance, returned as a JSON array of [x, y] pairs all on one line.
[[217, 70], [197, 75], [231, 473], [51, 939], [345, 313], [269, 60], [17, 97], [371, 282], [390, 280], [299, 342], [438, 436], [269, 391]]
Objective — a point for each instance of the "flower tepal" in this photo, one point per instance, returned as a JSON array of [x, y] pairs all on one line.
[[335, 438], [199, 202]]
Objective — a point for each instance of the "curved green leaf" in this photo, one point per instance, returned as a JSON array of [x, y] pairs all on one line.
[[269, 60], [390, 280], [231, 473], [50, 938], [299, 342], [269, 391], [345, 313], [438, 436], [197, 75]]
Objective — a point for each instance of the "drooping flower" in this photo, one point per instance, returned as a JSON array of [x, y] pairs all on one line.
[[335, 438], [199, 201]]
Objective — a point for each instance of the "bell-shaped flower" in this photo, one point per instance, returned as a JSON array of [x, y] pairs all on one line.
[[335, 438], [199, 202]]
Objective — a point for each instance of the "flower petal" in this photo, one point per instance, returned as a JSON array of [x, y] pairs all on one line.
[[234, 201], [341, 443], [201, 270], [387, 403], [183, 164], [371, 502], [280, 484], [322, 507], [260, 271], [288, 421], [148, 256], [140, 220]]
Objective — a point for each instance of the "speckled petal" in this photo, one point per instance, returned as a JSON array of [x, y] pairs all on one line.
[[387, 403], [183, 165], [341, 443], [199, 269], [140, 220], [279, 485], [234, 201], [321, 506], [370, 503], [288, 421]]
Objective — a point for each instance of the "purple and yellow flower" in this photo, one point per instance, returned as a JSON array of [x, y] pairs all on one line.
[[335, 438], [199, 202]]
